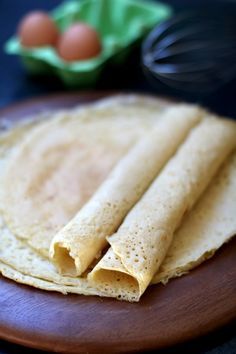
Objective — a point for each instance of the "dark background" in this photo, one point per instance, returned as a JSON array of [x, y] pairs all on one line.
[[15, 86]]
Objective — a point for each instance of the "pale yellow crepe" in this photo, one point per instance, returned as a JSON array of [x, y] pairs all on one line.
[[83, 238], [142, 241], [211, 223], [21, 263], [57, 167], [217, 225]]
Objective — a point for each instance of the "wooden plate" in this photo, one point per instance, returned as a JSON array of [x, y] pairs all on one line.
[[186, 308]]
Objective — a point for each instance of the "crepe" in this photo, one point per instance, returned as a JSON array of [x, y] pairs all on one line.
[[215, 219], [142, 241], [81, 241], [207, 227], [217, 224], [57, 167]]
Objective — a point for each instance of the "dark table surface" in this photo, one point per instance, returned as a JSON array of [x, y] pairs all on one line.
[[15, 86]]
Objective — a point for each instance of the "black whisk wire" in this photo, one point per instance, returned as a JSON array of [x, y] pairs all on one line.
[[192, 51]]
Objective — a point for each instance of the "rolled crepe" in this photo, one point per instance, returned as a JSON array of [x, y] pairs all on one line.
[[83, 238], [206, 228], [211, 223], [142, 241]]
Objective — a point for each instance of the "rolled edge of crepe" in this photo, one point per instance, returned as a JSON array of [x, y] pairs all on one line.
[[142, 241], [83, 238], [208, 226]]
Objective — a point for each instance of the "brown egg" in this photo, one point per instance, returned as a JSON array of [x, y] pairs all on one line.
[[37, 29], [79, 42]]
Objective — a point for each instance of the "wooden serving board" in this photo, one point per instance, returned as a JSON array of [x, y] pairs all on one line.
[[186, 308]]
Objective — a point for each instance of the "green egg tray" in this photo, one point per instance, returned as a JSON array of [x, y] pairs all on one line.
[[120, 24]]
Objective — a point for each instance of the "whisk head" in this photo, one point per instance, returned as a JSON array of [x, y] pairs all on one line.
[[192, 51]]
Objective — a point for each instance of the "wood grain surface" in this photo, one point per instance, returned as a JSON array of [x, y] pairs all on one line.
[[186, 308]]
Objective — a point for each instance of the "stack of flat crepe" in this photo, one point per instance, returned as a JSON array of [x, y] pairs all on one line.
[[111, 197]]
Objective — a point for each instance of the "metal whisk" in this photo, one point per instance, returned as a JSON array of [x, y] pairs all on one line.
[[193, 51]]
